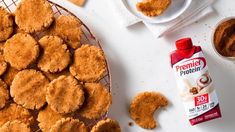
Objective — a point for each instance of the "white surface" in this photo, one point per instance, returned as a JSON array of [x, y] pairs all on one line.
[[140, 62], [126, 18], [176, 8]]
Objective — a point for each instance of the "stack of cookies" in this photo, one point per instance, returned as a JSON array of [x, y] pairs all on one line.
[[51, 80]]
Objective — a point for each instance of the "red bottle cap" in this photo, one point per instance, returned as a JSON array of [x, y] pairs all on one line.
[[184, 44]]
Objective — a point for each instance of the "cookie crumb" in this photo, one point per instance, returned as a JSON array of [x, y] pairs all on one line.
[[130, 123]]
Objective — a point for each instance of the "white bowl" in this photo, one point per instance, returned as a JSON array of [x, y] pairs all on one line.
[[212, 39], [176, 8]]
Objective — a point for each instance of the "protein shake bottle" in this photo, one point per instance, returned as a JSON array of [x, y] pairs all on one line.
[[194, 82]]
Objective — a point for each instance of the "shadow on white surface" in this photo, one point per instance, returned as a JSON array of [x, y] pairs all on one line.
[[119, 92], [119, 86], [136, 27]]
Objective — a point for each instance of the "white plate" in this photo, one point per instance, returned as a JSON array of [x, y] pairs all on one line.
[[176, 8]]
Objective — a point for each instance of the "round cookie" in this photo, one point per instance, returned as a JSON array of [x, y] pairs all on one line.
[[64, 94], [143, 107], [33, 15], [69, 29], [4, 94], [55, 56], [3, 64], [89, 64], [6, 24], [69, 125], [29, 89], [15, 112], [47, 118], [15, 126], [97, 102], [21, 50], [107, 125]]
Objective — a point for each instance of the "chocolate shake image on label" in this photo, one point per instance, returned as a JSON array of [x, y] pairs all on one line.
[[194, 82]]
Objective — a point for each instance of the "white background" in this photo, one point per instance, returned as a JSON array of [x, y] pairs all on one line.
[[140, 62]]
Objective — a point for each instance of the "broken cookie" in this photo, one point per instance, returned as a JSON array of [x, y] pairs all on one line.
[[143, 107], [153, 8]]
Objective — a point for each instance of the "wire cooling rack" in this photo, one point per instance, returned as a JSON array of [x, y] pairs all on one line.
[[87, 38]]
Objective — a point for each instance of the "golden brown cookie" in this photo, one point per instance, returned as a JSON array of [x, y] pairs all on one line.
[[3, 64], [15, 126], [153, 7], [143, 107], [52, 76], [89, 64], [33, 15], [21, 50], [47, 118], [69, 125], [4, 94], [29, 89], [64, 94], [69, 29], [9, 75], [107, 125], [6, 24], [97, 101], [55, 56], [15, 112]]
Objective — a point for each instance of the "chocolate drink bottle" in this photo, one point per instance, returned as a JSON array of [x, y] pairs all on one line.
[[194, 83]]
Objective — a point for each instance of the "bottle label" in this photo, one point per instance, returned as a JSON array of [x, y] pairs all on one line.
[[196, 89]]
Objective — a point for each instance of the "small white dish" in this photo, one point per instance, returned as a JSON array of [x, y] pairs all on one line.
[[176, 8], [232, 59]]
